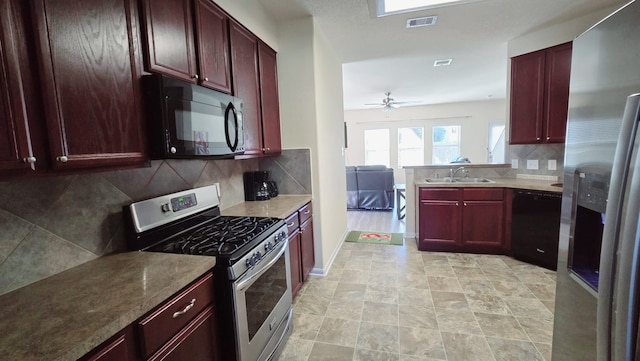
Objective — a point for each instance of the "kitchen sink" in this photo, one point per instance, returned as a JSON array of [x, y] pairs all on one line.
[[458, 180]]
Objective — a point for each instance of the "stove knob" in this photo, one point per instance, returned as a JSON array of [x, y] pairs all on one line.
[[165, 207], [258, 255], [250, 262], [283, 235], [268, 246]]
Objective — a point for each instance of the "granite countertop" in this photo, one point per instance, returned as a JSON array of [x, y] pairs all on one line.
[[522, 183], [67, 315], [279, 207]]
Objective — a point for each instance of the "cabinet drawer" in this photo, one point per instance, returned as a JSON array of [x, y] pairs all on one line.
[[157, 328], [483, 194], [440, 194], [292, 223], [305, 212]]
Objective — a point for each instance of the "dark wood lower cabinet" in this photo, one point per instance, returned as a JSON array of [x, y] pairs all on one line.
[[193, 343], [120, 347], [181, 328], [462, 220], [301, 246], [307, 252], [294, 257]]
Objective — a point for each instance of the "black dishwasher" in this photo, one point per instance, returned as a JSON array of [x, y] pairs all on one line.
[[535, 224]]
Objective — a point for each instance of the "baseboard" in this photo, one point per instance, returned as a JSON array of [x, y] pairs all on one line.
[[410, 235], [321, 272]]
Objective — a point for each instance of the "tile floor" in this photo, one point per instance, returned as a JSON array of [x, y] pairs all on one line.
[[396, 303]]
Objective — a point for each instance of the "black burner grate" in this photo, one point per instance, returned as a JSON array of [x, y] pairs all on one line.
[[220, 237]]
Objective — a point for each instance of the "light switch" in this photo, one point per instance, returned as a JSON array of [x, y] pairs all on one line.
[[532, 164], [552, 164], [514, 163]]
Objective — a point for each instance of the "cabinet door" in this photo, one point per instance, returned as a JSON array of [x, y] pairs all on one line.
[[89, 77], [244, 57], [296, 262], [15, 147], [483, 224], [527, 98], [558, 72], [272, 143], [439, 228], [115, 351], [307, 248], [195, 342], [168, 35], [212, 37]]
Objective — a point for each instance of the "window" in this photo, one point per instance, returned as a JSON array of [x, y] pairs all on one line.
[[446, 143], [376, 147], [496, 142], [410, 146]]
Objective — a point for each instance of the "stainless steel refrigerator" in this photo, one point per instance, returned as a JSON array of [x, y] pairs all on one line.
[[597, 307]]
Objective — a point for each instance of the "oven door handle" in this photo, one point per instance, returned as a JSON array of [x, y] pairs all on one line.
[[247, 282]]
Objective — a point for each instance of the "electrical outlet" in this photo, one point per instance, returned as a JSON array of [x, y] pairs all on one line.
[[514, 163], [532, 164], [551, 165]]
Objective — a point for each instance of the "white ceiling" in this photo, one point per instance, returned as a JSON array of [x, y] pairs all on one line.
[[380, 54]]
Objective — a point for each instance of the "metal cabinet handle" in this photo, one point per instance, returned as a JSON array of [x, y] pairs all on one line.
[[307, 212], [540, 250], [457, 204], [465, 204], [62, 158], [289, 225], [206, 79], [30, 160], [186, 309], [195, 76], [548, 138], [538, 139]]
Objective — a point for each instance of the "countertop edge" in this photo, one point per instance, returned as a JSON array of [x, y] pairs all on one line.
[[514, 183]]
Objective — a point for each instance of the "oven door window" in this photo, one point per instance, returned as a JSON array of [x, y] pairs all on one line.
[[262, 297], [201, 129]]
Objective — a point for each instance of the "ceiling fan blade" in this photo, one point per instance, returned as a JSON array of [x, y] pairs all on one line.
[[374, 104]]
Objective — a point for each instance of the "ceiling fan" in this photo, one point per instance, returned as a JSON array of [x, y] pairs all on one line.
[[388, 104]]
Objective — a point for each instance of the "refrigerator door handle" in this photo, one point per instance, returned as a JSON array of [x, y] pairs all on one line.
[[618, 258]]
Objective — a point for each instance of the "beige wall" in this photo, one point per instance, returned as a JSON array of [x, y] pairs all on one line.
[[329, 125], [310, 81], [253, 16], [474, 117]]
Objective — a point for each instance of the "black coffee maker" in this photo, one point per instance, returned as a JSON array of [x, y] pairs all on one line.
[[258, 186]]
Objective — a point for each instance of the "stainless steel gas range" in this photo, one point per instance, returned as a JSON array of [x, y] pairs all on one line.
[[253, 288]]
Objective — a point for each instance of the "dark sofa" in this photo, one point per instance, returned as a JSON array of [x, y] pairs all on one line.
[[370, 187]]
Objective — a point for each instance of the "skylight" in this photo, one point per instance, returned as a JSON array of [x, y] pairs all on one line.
[[388, 7]]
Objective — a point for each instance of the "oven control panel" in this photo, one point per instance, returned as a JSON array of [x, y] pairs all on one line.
[[262, 253], [183, 202]]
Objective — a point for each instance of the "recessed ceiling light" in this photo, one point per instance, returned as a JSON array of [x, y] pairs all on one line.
[[442, 62]]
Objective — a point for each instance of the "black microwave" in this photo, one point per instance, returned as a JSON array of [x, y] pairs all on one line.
[[186, 120]]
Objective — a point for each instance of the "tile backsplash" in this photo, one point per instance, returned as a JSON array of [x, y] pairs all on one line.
[[51, 224]]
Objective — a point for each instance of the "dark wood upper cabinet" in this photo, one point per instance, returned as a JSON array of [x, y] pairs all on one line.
[[558, 74], [272, 142], [212, 37], [169, 39], [15, 145], [189, 40], [88, 67], [540, 95], [244, 57]]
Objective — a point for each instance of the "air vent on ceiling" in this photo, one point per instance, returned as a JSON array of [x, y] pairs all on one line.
[[442, 62], [424, 21]]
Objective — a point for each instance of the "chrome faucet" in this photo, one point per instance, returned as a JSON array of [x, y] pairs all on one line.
[[452, 172]]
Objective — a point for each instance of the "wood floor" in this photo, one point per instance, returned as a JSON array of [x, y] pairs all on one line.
[[375, 221]]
